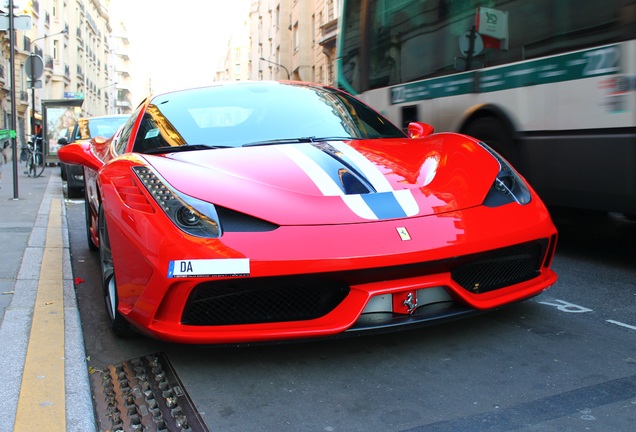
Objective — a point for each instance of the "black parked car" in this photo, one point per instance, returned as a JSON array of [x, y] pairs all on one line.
[[85, 129]]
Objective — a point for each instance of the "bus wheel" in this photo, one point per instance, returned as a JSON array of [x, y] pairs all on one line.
[[493, 132]]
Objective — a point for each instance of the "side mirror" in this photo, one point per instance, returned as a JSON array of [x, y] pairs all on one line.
[[420, 130], [62, 141], [80, 153]]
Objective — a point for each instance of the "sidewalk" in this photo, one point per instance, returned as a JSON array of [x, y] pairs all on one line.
[[33, 231]]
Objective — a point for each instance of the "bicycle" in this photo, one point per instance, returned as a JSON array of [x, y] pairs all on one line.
[[35, 159]]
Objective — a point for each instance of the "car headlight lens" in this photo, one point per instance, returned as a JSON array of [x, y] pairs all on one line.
[[191, 215], [508, 186]]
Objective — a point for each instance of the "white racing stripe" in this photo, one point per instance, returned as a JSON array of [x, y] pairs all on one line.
[[328, 186], [377, 178], [325, 183]]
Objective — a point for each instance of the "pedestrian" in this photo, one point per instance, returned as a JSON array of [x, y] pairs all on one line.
[[5, 157]]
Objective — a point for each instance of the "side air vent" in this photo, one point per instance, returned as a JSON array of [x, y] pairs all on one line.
[[233, 221]]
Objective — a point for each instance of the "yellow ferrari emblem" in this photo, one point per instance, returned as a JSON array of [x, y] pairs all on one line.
[[404, 234]]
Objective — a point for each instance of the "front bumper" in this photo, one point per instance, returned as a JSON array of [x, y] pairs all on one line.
[[466, 261]]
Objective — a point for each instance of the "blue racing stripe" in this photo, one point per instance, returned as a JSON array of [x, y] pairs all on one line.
[[384, 205]]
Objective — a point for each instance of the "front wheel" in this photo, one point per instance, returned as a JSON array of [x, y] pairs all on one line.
[[88, 214], [493, 132], [35, 164], [118, 323]]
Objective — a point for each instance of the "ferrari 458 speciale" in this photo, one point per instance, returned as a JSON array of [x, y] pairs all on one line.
[[262, 211]]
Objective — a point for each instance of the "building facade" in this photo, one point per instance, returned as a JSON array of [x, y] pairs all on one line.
[[73, 39], [293, 39]]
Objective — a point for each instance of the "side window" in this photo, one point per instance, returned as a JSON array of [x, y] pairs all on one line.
[[120, 145]]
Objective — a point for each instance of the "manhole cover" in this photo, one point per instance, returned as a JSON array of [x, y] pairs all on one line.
[[143, 394]]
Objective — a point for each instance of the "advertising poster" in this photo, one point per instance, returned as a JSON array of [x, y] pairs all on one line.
[[60, 117]]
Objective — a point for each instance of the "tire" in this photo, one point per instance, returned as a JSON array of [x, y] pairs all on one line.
[[29, 169], [118, 323], [74, 192], [87, 210], [493, 132], [30, 166], [38, 165]]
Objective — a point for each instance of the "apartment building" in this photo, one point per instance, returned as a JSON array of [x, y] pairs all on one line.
[[73, 39], [289, 39]]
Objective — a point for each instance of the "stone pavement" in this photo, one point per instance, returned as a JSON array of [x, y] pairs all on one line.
[[33, 231]]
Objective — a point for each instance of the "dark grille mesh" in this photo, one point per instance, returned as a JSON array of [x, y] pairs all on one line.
[[263, 300], [499, 269]]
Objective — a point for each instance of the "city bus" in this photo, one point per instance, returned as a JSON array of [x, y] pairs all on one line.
[[550, 84]]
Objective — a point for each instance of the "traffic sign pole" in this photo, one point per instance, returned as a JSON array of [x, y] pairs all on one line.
[[14, 146]]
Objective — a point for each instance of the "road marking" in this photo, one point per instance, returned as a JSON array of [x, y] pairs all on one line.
[[42, 404], [564, 306], [618, 323]]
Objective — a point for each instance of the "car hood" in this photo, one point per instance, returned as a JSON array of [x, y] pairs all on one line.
[[337, 181]]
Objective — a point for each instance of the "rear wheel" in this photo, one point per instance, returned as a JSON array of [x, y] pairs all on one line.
[[118, 323], [73, 192]]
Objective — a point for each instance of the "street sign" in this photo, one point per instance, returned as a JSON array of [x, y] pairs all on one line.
[[465, 45], [33, 66], [5, 134], [20, 22], [73, 95]]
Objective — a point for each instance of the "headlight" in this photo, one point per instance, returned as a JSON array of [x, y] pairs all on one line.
[[508, 186], [191, 215]]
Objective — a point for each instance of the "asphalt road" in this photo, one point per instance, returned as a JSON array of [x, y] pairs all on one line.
[[562, 361]]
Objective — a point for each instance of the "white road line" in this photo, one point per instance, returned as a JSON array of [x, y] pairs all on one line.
[[618, 323]]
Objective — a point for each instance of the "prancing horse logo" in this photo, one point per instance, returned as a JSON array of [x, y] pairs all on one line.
[[410, 302]]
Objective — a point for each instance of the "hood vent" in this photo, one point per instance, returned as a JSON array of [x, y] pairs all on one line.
[[350, 179]]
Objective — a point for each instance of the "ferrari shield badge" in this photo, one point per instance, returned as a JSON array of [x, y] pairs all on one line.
[[404, 234]]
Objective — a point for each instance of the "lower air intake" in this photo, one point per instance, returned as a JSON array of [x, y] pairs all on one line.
[[263, 300], [501, 268]]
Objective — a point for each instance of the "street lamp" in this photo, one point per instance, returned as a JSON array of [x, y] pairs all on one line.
[[277, 64], [32, 76]]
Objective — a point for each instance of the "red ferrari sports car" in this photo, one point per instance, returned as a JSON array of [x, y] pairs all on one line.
[[262, 211]]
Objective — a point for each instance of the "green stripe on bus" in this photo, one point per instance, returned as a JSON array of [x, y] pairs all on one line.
[[566, 67]]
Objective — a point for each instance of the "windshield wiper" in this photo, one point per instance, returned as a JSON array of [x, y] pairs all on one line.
[[182, 148], [310, 139], [279, 141], [335, 138]]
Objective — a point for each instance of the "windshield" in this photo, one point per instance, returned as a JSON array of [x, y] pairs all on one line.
[[99, 126], [244, 113]]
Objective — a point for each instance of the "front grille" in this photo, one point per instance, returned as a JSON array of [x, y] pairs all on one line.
[[497, 269], [263, 300], [306, 297]]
